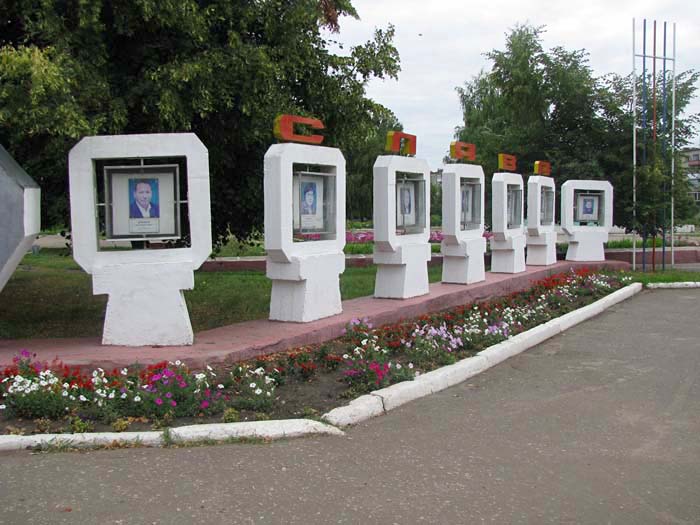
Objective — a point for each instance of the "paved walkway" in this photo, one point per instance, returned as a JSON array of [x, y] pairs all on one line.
[[597, 425], [253, 338]]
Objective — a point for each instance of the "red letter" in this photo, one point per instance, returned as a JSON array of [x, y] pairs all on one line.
[[400, 142], [507, 162], [542, 167], [463, 150], [284, 129]]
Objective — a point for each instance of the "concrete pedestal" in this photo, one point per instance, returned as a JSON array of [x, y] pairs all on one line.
[[586, 246], [508, 256], [146, 305], [306, 289], [464, 263], [542, 249], [402, 273]]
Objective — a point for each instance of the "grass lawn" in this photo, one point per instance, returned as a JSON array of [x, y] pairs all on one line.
[[50, 296]]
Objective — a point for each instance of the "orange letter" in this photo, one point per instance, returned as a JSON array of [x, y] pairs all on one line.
[[462, 150], [284, 129], [400, 142], [542, 167], [507, 162]]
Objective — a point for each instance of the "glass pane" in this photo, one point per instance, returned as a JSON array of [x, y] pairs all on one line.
[[313, 202], [410, 203], [470, 208], [588, 206], [514, 203], [546, 206]]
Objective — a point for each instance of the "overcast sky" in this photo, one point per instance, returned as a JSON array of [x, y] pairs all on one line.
[[441, 44]]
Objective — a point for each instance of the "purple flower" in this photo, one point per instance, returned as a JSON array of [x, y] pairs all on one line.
[[25, 354]]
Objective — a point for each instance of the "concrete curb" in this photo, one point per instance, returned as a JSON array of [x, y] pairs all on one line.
[[394, 396], [280, 429], [689, 284], [365, 407]]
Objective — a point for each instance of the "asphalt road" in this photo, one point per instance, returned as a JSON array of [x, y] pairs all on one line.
[[598, 425]]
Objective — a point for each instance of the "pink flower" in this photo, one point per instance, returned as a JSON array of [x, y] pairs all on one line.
[[159, 401], [169, 395], [204, 404], [173, 403]]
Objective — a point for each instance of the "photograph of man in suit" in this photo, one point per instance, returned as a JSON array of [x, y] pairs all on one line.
[[141, 206]]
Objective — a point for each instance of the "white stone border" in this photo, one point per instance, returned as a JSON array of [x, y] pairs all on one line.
[[688, 284], [381, 401], [374, 404], [279, 429]]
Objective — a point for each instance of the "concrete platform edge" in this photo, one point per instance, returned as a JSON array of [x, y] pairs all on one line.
[[436, 380]]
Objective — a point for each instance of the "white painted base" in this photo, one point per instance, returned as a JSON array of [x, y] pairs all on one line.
[[587, 246], [306, 289], [542, 249], [403, 273], [508, 256], [464, 263], [146, 305]]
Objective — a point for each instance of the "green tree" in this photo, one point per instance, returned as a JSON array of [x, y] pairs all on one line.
[[548, 105], [222, 69]]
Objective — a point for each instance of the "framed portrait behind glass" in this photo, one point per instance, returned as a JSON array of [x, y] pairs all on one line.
[[470, 204], [142, 202], [313, 201]]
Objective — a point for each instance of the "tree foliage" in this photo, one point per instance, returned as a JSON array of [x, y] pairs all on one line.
[[548, 105], [222, 69]]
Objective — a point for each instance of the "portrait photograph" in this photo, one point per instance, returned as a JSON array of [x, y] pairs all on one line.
[[308, 203], [143, 199], [466, 208], [587, 207], [405, 204], [141, 202]]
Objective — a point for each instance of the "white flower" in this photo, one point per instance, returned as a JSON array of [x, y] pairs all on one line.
[[220, 386], [82, 397], [346, 356], [2, 407], [398, 366], [124, 371], [209, 368], [252, 385], [137, 398], [258, 391], [123, 396], [111, 395], [268, 394], [410, 365], [178, 362]]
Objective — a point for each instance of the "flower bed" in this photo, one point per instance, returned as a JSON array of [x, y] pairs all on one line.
[[304, 382]]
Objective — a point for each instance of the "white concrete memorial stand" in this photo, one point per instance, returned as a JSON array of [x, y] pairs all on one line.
[[507, 244], [541, 238], [305, 275], [402, 260], [586, 241], [146, 305], [20, 214], [462, 250]]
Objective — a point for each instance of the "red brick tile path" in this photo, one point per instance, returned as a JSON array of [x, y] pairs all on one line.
[[261, 337]]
